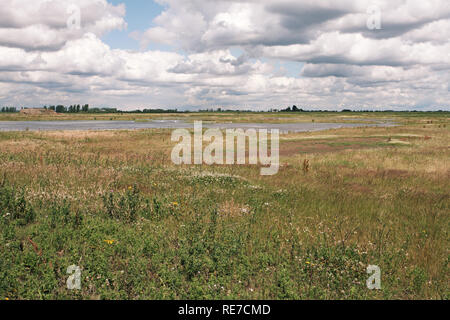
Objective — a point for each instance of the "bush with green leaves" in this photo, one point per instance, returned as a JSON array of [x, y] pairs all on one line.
[[123, 206], [14, 206]]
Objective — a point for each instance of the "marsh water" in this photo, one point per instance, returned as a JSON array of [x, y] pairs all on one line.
[[173, 124]]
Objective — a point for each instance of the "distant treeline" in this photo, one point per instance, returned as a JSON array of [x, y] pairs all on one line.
[[296, 109], [77, 108], [153, 111], [86, 109], [9, 109]]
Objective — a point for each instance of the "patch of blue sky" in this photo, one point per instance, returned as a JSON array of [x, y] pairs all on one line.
[[139, 17], [291, 69]]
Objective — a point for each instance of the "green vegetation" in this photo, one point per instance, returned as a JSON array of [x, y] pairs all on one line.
[[410, 118], [142, 228], [8, 109]]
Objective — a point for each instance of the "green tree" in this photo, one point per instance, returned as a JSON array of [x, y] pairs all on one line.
[[60, 109]]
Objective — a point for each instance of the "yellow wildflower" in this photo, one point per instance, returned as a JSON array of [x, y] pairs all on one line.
[[110, 242], [175, 204]]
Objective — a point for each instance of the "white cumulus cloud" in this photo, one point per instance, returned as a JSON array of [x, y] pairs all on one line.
[[244, 54]]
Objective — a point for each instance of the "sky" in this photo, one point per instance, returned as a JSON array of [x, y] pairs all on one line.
[[251, 54]]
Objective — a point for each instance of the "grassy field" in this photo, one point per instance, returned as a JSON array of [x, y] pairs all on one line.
[[277, 117], [142, 228]]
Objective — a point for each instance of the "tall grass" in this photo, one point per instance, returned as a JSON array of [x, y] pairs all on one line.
[[141, 228]]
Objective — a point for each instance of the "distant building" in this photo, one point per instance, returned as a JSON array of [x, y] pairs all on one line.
[[36, 112]]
